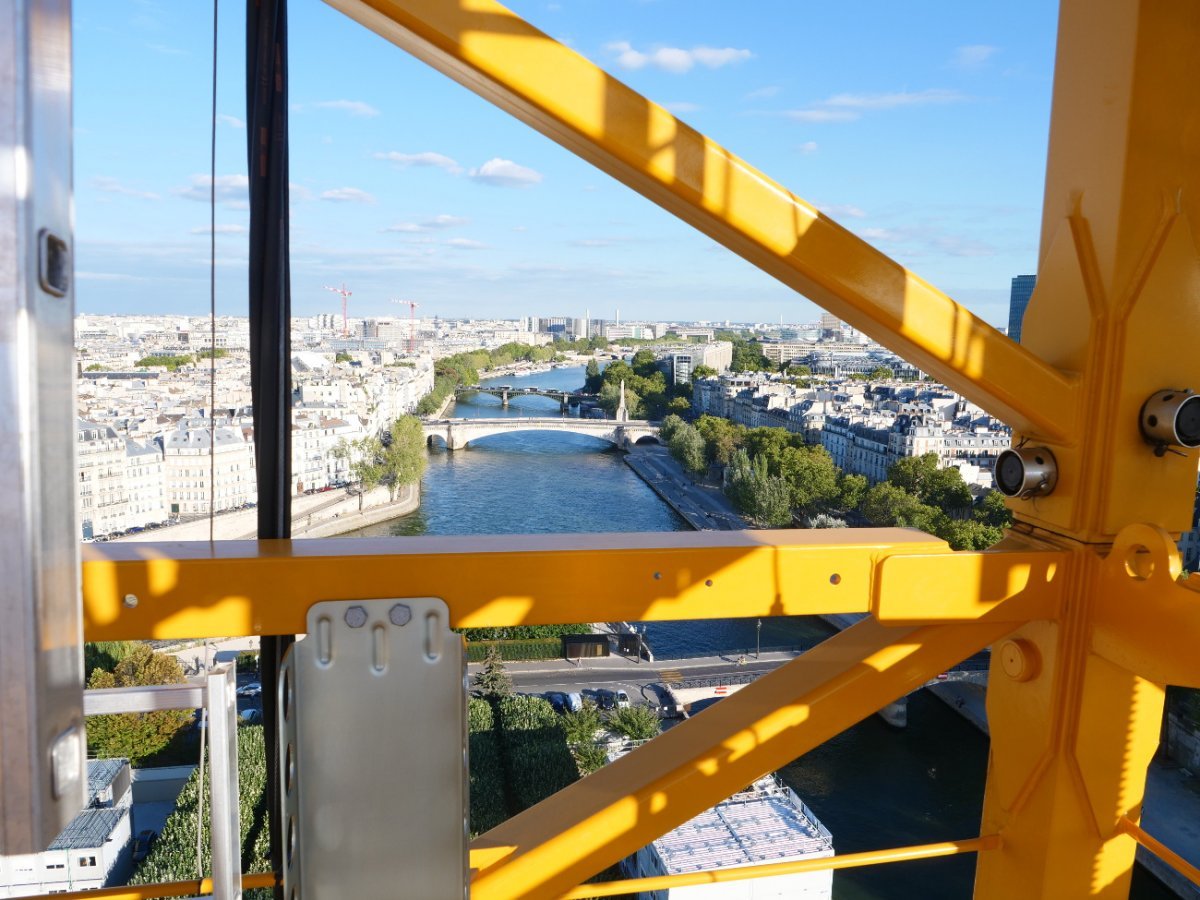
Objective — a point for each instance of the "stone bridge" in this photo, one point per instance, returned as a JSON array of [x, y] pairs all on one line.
[[457, 433], [504, 392]]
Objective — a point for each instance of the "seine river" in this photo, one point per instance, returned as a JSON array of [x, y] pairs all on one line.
[[873, 786]]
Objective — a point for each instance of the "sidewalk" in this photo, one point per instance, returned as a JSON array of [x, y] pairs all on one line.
[[705, 508]]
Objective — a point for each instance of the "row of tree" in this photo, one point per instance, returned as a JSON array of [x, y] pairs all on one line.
[[773, 477], [393, 459]]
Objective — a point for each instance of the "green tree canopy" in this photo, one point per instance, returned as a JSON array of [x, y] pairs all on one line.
[[721, 437], [687, 446], [811, 476], [763, 497], [669, 426], [851, 490], [136, 735], [993, 510], [703, 371]]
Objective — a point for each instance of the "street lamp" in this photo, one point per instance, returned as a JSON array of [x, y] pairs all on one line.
[[758, 639]]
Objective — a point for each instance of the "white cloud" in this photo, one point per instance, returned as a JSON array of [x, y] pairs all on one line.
[[505, 173], [972, 56], [850, 107], [808, 147], [435, 223], [347, 195], [221, 229], [231, 121], [427, 158], [354, 107], [446, 221], [466, 244], [112, 186], [675, 59], [229, 188], [821, 115], [682, 107], [842, 210], [894, 99], [763, 93]]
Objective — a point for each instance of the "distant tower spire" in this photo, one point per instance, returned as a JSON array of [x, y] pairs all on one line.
[[622, 411]]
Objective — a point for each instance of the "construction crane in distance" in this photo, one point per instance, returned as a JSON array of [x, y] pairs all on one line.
[[412, 321], [345, 296]]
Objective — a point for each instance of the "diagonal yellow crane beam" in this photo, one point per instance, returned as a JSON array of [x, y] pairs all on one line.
[[613, 812], [495, 53]]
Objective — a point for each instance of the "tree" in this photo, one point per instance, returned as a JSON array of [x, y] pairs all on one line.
[[768, 445], [969, 534], [365, 465], [811, 476], [993, 510], [946, 490], [721, 437], [851, 490], [644, 363], [638, 723], [342, 356], [592, 377], [136, 735], [669, 426], [581, 727], [105, 655], [492, 681], [881, 373], [95, 367], [824, 520], [404, 458], [756, 493], [703, 371], [687, 446], [911, 473]]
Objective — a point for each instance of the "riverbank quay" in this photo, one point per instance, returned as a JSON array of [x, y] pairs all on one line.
[[313, 515], [704, 508]]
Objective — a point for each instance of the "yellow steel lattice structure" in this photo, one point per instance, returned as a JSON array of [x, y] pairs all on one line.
[[1082, 600]]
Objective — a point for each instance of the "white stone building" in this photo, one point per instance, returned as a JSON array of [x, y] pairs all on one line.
[[100, 465], [145, 484], [189, 469]]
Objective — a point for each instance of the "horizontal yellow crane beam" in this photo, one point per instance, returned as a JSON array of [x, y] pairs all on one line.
[[504, 59], [201, 589], [620, 808]]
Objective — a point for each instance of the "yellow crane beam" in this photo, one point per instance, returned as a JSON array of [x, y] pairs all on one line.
[[504, 59], [199, 590]]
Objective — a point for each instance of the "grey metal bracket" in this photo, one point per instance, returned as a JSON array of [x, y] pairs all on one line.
[[372, 753]]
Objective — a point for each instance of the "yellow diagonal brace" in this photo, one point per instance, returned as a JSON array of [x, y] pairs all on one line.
[[625, 805], [504, 59], [197, 590]]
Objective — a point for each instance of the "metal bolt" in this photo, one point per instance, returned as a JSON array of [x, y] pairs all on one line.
[[131, 600], [356, 617], [657, 576], [400, 615], [708, 583]]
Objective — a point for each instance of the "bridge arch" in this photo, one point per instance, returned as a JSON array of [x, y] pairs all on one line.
[[456, 434]]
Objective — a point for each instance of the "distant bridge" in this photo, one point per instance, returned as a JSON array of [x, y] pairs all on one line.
[[457, 433], [504, 392]]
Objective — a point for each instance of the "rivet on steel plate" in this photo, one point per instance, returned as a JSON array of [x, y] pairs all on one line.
[[356, 617], [131, 600], [400, 615]]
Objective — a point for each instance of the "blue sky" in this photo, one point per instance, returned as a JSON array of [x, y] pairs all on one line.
[[922, 127]]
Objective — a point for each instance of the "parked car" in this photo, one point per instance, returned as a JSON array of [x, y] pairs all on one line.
[[574, 702], [253, 689], [142, 844], [622, 700], [606, 699], [251, 716], [558, 700]]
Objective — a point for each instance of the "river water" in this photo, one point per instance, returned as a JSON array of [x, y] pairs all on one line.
[[873, 786]]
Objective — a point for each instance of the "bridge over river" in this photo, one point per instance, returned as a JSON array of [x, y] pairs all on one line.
[[506, 392], [456, 434]]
